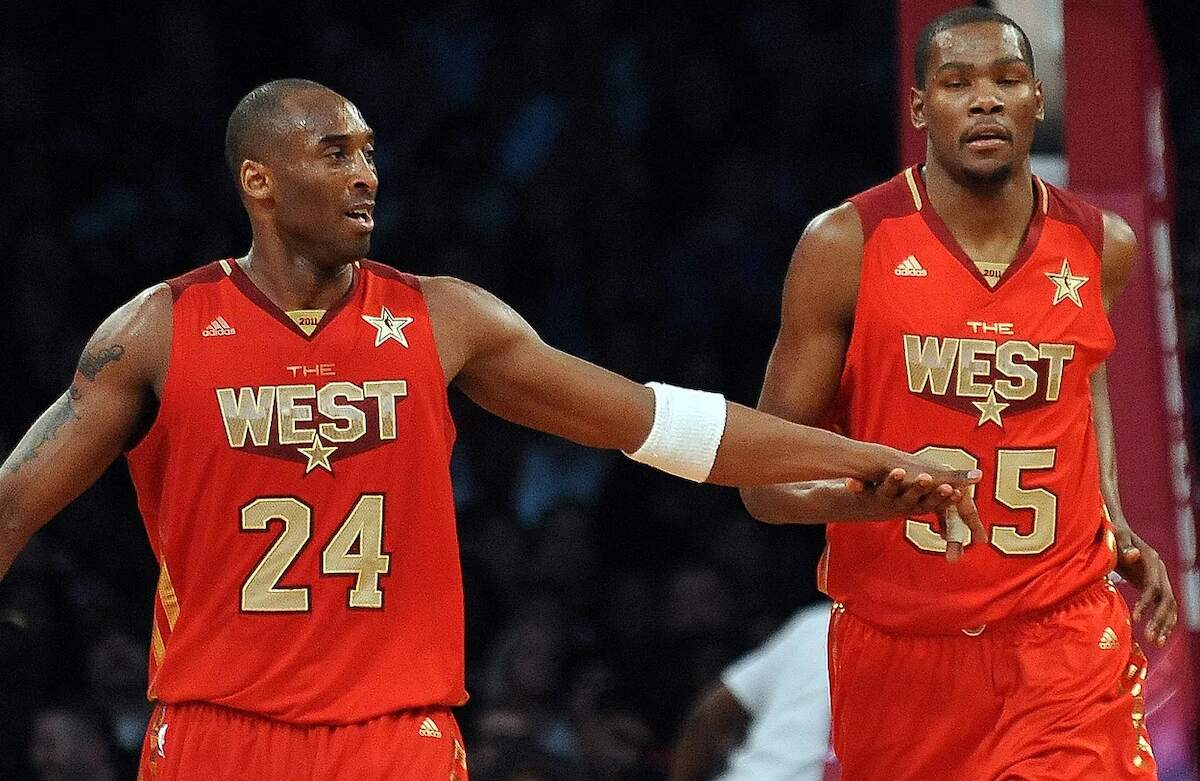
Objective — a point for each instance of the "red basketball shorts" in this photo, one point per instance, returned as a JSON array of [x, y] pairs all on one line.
[[201, 742], [1057, 696]]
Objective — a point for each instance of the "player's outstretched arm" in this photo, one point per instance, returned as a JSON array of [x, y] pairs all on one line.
[[85, 429], [1137, 561], [805, 368], [498, 360]]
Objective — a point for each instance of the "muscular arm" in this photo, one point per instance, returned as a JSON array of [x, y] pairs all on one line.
[[80, 435], [710, 732], [1138, 562], [805, 368], [498, 360]]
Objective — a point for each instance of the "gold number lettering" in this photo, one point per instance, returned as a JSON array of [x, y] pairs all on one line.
[[364, 526], [261, 592], [1010, 493], [356, 548]]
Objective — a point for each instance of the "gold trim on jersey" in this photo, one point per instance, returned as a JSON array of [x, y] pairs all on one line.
[[166, 595], [157, 647], [912, 187]]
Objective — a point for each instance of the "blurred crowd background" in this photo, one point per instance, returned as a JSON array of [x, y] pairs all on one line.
[[631, 177]]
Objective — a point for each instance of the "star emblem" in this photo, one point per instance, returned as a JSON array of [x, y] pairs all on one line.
[[318, 454], [388, 326], [990, 409], [1066, 286]]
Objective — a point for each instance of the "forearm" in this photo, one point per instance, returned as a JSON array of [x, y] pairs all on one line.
[[758, 449], [815, 502], [14, 535], [710, 731]]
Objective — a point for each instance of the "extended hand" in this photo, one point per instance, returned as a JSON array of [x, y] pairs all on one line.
[[1141, 565], [906, 494]]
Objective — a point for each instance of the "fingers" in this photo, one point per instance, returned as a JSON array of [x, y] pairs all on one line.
[[893, 484], [1130, 555], [854, 486], [966, 510], [956, 534], [1159, 627]]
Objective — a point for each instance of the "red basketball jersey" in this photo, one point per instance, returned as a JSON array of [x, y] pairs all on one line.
[[998, 378], [296, 492]]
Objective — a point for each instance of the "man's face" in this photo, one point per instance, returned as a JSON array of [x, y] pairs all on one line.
[[980, 104], [323, 180]]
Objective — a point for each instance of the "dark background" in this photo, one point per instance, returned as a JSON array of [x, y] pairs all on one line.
[[631, 179]]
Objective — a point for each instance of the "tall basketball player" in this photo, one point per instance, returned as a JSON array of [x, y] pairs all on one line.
[[284, 417], [959, 310]]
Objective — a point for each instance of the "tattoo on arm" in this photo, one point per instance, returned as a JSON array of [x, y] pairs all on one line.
[[90, 363], [60, 413]]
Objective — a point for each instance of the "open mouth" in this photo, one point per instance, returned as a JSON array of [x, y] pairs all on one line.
[[362, 217], [987, 138]]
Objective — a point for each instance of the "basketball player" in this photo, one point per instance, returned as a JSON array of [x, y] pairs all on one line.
[[285, 421], [959, 310]]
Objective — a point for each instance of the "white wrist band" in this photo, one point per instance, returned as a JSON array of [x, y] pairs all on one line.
[[687, 430]]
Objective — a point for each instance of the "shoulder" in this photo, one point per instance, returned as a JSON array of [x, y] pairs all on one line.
[[468, 321], [384, 271], [1120, 251], [899, 196], [826, 264], [1067, 207], [137, 335]]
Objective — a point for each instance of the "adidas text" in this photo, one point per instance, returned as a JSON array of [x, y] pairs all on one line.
[[219, 327], [910, 267]]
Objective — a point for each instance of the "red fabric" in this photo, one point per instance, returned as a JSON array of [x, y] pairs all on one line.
[[1050, 698], [201, 475], [198, 742], [993, 347]]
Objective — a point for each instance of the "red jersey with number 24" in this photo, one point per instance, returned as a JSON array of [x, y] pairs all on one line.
[[994, 377], [296, 492]]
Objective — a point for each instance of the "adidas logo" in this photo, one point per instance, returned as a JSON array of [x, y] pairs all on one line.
[[910, 267], [429, 729], [219, 327], [1108, 640]]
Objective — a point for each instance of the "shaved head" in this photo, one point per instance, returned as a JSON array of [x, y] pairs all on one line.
[[255, 122]]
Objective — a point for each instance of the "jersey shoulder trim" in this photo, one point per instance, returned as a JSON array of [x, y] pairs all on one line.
[[897, 197], [1067, 207], [208, 273], [387, 272]]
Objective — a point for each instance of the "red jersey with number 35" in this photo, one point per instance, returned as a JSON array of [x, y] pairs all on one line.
[[994, 377], [296, 492]]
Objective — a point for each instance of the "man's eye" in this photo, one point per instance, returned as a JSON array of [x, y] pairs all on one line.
[[370, 153], [335, 153]]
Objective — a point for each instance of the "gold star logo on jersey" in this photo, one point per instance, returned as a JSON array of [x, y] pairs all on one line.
[[318, 454], [1066, 285], [990, 409], [388, 326]]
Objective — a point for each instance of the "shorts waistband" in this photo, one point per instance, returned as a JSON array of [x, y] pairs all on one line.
[[1002, 625]]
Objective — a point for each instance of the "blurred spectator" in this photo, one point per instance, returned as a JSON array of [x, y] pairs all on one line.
[[66, 745]]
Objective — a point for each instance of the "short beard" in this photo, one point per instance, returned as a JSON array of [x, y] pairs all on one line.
[[992, 180]]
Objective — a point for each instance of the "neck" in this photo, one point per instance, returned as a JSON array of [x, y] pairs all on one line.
[[979, 209], [295, 279]]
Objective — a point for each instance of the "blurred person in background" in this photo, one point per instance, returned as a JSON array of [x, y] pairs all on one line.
[[767, 718], [67, 745], [961, 308], [209, 384]]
